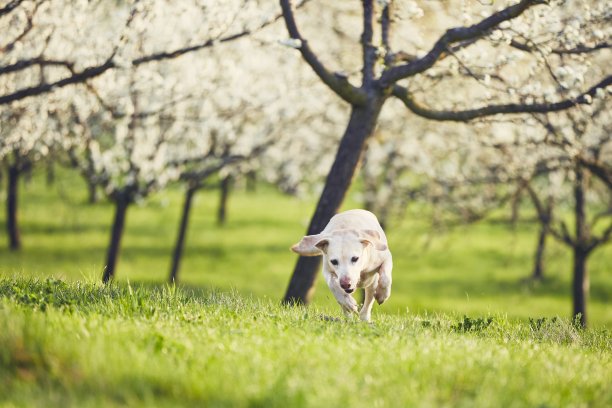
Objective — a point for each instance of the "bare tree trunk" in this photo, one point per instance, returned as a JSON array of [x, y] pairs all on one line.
[[11, 208], [360, 127], [580, 286], [114, 246], [225, 187], [92, 192], [251, 181], [50, 172], [180, 240], [538, 268], [516, 206], [581, 280]]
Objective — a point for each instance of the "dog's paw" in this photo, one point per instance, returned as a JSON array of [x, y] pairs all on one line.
[[382, 293], [365, 316], [349, 305]]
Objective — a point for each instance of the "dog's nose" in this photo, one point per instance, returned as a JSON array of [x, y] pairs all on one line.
[[345, 284], [349, 290]]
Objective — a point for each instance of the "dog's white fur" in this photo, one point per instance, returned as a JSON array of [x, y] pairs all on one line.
[[355, 255]]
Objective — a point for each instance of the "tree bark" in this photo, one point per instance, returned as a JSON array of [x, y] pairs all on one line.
[[516, 207], [92, 192], [121, 206], [50, 172], [580, 285], [225, 187], [182, 232], [251, 181], [11, 208], [538, 268], [360, 127]]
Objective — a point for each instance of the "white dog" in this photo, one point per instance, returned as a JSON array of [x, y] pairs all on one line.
[[355, 255]]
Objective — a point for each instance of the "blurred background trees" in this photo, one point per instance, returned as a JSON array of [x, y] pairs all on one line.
[[463, 107]]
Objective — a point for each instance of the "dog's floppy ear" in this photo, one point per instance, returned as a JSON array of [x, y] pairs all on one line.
[[372, 237], [322, 245], [311, 245]]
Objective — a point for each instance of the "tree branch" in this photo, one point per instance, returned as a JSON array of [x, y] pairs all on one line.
[[602, 239], [42, 88], [94, 71], [543, 215], [10, 6], [580, 49], [599, 169], [338, 84], [368, 49], [451, 36], [385, 32], [511, 108], [38, 61]]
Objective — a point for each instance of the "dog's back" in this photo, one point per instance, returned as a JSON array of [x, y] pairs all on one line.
[[355, 219]]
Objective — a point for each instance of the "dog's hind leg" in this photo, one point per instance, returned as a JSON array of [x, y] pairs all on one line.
[[383, 291]]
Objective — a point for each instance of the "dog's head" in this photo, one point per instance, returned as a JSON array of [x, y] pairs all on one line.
[[346, 252]]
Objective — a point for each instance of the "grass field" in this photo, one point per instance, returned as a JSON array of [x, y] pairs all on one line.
[[476, 269], [462, 327], [86, 345]]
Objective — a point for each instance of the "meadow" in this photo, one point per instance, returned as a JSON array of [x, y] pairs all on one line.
[[463, 326]]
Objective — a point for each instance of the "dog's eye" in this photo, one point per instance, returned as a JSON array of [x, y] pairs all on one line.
[[354, 259], [334, 262]]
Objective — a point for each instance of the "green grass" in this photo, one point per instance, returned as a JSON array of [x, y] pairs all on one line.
[[477, 269], [462, 327], [82, 344]]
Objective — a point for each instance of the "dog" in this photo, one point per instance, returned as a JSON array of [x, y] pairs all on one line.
[[355, 255]]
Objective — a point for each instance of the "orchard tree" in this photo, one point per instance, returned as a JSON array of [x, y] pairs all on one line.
[[557, 159], [226, 137], [533, 28], [584, 136], [29, 133], [76, 41], [562, 158], [104, 49], [251, 118]]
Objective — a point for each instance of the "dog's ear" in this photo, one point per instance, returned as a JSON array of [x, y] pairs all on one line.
[[372, 237], [322, 245], [310, 245]]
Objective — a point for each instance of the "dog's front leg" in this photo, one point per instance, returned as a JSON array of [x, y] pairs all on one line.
[[383, 291], [346, 301], [365, 313]]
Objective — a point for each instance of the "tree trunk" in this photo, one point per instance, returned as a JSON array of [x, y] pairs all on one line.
[[50, 172], [360, 127], [251, 181], [580, 286], [538, 269], [92, 192], [225, 187], [581, 280], [182, 232], [121, 206], [516, 207], [11, 208]]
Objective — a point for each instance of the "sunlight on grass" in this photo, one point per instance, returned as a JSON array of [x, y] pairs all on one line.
[[479, 268], [74, 344]]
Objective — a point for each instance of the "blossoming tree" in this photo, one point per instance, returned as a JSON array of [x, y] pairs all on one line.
[[535, 28]]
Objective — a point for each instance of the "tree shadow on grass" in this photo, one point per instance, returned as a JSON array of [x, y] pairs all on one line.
[[550, 286]]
